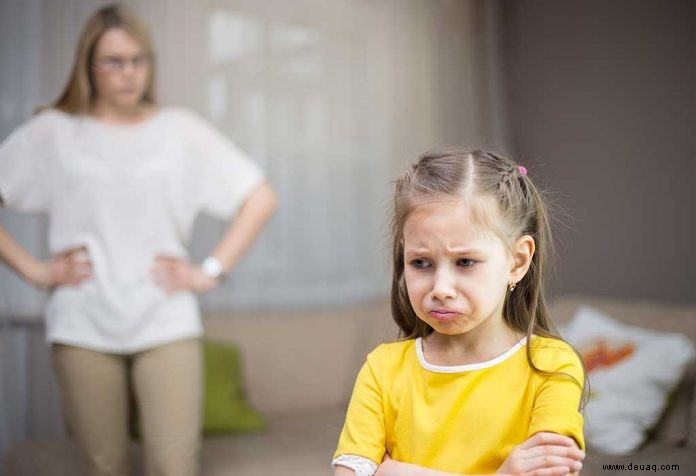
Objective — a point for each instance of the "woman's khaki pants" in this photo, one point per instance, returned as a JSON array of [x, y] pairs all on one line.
[[165, 383]]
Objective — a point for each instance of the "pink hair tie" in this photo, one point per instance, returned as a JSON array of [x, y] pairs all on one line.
[[522, 170]]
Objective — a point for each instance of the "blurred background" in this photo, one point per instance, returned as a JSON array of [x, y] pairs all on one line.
[[334, 97]]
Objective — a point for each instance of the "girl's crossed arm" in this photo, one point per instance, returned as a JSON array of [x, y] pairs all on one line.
[[544, 454]]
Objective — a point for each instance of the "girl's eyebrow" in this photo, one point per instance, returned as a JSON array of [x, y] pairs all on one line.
[[453, 251], [464, 251]]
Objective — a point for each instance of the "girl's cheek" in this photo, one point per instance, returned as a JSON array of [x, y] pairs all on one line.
[[418, 289], [413, 280]]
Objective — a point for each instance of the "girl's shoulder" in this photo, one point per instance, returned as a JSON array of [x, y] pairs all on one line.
[[552, 354], [549, 343], [392, 352]]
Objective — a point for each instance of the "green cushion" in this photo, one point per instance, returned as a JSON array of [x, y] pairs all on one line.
[[225, 409]]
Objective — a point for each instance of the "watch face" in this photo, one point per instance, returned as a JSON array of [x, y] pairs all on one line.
[[212, 267]]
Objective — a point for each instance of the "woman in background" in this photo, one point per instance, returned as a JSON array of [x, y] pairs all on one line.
[[122, 181]]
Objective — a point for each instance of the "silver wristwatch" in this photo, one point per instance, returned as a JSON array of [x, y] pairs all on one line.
[[212, 267]]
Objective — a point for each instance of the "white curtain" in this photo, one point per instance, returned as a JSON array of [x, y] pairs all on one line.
[[331, 97]]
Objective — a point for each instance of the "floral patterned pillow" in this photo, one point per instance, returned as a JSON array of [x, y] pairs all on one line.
[[632, 371]]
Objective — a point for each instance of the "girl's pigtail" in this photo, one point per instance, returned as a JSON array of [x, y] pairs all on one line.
[[532, 299]]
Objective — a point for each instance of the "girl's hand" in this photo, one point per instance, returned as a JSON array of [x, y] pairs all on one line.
[[68, 268], [392, 467], [175, 274], [544, 454]]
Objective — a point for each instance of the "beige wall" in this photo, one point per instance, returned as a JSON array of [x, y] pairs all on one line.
[[602, 101]]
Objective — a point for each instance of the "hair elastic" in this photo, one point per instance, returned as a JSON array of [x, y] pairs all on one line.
[[522, 170]]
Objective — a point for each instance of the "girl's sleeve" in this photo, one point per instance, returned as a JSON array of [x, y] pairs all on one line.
[[224, 175], [363, 433], [556, 407], [22, 169]]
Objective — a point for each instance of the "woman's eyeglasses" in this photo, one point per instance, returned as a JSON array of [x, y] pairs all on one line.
[[115, 63]]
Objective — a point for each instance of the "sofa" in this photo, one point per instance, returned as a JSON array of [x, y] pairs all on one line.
[[299, 368]]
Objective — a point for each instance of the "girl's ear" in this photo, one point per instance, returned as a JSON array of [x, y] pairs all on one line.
[[522, 253]]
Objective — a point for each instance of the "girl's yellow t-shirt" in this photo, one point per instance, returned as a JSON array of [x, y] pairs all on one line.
[[461, 419]]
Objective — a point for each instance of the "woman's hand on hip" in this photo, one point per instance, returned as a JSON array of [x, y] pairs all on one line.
[[175, 274], [67, 268]]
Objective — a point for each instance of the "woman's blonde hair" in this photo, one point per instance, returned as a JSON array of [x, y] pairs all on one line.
[[79, 93], [472, 177]]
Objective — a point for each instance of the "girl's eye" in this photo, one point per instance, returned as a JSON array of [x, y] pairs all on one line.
[[420, 263], [466, 262]]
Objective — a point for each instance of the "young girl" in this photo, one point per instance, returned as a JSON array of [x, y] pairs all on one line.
[[482, 382]]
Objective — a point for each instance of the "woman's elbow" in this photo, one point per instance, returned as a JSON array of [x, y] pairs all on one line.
[[270, 197], [262, 202]]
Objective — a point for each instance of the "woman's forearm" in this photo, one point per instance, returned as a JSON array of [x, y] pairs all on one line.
[[252, 216], [16, 257]]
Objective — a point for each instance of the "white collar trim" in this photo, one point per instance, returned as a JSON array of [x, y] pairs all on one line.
[[450, 369]]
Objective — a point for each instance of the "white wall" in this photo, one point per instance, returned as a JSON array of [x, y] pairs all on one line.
[[332, 97]]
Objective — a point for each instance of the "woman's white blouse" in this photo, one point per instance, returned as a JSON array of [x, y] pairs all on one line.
[[128, 193]]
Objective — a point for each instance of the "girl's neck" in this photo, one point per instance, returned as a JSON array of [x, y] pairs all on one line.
[[478, 345], [112, 114]]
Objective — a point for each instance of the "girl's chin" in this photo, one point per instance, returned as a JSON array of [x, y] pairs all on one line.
[[449, 327], [450, 331]]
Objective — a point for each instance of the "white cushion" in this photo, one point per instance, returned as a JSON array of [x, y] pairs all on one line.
[[632, 371]]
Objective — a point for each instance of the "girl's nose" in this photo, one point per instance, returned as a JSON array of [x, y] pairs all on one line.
[[443, 286]]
